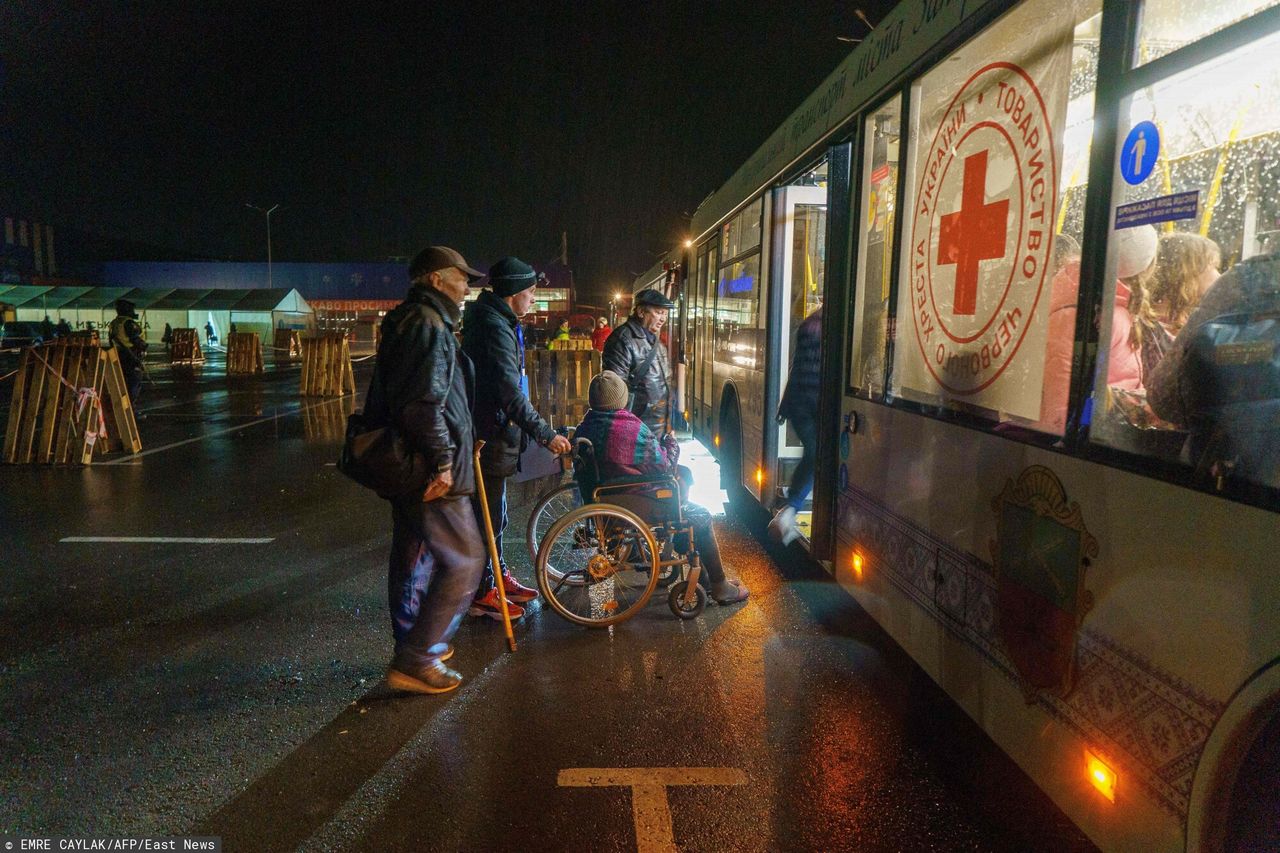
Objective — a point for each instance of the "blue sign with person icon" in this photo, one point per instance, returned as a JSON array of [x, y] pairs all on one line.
[[1139, 153]]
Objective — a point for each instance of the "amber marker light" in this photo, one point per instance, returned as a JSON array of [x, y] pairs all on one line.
[[1100, 775], [759, 478], [717, 441], [857, 565]]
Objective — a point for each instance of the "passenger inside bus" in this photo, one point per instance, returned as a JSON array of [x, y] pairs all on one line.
[[1136, 255]]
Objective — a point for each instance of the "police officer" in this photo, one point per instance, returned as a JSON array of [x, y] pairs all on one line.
[[635, 353], [423, 383], [125, 335], [504, 418]]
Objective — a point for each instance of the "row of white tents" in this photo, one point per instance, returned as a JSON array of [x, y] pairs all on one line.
[[257, 310]]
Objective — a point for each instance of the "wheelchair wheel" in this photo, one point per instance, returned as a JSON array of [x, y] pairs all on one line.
[[607, 565], [675, 600], [552, 505]]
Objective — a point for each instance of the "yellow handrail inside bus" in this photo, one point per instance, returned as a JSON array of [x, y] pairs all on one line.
[[1216, 186]]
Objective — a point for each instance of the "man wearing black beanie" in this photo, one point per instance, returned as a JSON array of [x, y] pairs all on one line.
[[504, 418]]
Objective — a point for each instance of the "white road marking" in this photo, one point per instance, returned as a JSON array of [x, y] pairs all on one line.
[[174, 540], [654, 832]]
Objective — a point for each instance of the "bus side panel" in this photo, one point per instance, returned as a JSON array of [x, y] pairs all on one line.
[[919, 512]]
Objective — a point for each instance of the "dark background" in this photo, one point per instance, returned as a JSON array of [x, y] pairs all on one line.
[[384, 127]]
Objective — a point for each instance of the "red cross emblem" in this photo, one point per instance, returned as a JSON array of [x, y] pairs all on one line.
[[975, 232]]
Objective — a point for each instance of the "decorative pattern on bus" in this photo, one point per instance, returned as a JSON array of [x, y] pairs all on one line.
[[1151, 723]]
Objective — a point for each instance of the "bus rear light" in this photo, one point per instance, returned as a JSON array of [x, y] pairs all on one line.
[[1100, 775]]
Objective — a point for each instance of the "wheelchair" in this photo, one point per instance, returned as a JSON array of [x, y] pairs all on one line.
[[599, 564]]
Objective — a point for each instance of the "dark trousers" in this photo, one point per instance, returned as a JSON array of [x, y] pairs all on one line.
[[704, 539], [436, 558], [802, 476], [496, 493]]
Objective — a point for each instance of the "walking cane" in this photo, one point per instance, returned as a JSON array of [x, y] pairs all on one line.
[[493, 551]]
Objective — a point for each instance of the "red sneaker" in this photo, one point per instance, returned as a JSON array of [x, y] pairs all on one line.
[[488, 605], [517, 591]]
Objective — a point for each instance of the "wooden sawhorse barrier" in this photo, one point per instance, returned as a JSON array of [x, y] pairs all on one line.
[[558, 383], [57, 414], [326, 366], [244, 354], [287, 344], [184, 347]]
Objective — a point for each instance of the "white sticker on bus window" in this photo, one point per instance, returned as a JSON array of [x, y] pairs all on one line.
[[972, 307]]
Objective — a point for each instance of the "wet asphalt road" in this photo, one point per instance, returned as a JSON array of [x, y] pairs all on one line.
[[235, 689]]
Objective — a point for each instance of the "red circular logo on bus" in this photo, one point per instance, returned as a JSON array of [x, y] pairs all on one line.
[[982, 228]]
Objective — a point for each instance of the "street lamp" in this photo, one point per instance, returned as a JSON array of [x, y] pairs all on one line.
[[268, 213]]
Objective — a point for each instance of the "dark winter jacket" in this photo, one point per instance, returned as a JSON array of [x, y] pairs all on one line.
[[1221, 376], [800, 400], [504, 417], [423, 383], [625, 353]]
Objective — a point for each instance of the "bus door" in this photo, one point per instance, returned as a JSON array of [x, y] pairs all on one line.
[[798, 267]]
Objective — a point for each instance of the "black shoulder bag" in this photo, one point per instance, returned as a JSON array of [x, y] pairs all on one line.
[[378, 457]]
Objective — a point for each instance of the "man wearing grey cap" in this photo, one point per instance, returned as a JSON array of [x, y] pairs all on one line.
[[504, 418], [635, 352], [423, 383]]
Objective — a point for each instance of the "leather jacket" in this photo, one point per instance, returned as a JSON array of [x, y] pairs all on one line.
[[625, 353], [424, 383], [503, 415]]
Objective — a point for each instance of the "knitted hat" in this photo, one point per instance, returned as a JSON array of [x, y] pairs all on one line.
[[1135, 249], [509, 276], [608, 392], [125, 308]]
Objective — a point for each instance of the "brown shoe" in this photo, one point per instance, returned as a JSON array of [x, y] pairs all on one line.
[[436, 678]]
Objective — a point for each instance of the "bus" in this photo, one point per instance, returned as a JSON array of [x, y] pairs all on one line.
[[1011, 211]]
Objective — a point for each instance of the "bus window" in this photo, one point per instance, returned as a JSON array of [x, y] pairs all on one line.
[[999, 146], [1187, 365], [1167, 25], [882, 134], [737, 300]]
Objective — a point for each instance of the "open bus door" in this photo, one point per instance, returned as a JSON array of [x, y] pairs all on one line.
[[797, 269]]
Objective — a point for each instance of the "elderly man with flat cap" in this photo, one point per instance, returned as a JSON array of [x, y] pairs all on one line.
[[504, 418], [423, 383], [635, 352]]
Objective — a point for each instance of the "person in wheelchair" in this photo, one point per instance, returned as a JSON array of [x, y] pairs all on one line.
[[624, 447]]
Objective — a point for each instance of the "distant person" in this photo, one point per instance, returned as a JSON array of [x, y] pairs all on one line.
[[504, 418], [562, 334], [167, 337], [126, 338], [800, 406], [1212, 382], [63, 328], [623, 446], [600, 334], [634, 352], [423, 382], [209, 336], [46, 328], [1186, 267], [233, 329]]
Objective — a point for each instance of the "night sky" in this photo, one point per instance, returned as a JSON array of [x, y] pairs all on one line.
[[489, 127]]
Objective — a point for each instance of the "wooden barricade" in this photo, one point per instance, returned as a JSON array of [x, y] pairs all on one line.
[[184, 347], [287, 344], [558, 382], [57, 414], [570, 344], [244, 354], [326, 366]]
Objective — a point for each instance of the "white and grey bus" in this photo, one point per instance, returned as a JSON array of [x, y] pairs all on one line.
[[1010, 210]]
